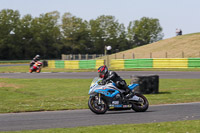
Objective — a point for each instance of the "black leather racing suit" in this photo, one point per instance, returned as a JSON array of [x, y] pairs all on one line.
[[32, 62], [120, 83]]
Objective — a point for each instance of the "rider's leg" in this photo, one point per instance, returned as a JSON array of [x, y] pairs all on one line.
[[129, 92]]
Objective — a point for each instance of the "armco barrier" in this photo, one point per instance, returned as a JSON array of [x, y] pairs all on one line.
[[59, 64], [99, 63], [170, 63], [87, 64], [117, 64], [138, 63], [51, 63], [75, 64], [194, 62], [156, 63]]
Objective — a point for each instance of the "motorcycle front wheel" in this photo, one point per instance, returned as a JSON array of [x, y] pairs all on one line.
[[30, 70], [142, 105], [97, 108], [38, 70]]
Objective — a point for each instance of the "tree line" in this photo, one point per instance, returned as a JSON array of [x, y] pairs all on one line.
[[51, 35]]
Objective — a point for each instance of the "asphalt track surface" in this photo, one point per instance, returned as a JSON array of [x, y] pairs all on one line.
[[91, 75], [77, 118]]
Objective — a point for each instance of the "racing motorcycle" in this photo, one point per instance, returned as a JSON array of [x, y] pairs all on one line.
[[109, 97], [36, 67]]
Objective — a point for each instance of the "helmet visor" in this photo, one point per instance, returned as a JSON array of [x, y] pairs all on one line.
[[101, 74]]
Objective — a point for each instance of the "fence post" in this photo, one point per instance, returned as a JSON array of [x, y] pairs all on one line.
[[133, 56], [71, 57], [74, 57], [86, 56], [150, 55], [166, 54], [93, 56], [63, 57], [108, 64], [182, 54], [123, 56], [79, 56], [115, 55]]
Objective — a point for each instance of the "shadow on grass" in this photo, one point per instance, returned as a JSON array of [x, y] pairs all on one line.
[[158, 93], [164, 92]]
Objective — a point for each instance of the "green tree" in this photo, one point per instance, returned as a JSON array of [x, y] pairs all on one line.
[[25, 37], [75, 35], [9, 21], [50, 34], [45, 35], [105, 31], [144, 31]]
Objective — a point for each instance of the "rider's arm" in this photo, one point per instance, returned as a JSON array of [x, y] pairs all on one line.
[[111, 76]]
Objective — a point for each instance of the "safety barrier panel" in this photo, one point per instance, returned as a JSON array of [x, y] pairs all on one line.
[[156, 63], [99, 63], [117, 64], [194, 62], [87, 64], [170, 63], [75, 64], [138, 63], [59, 64], [51, 64]]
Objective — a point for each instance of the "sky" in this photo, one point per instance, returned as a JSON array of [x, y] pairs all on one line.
[[172, 14]]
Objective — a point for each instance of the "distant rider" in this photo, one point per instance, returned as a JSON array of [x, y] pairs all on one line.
[[35, 59], [113, 76]]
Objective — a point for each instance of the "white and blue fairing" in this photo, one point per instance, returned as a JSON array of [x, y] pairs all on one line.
[[109, 90]]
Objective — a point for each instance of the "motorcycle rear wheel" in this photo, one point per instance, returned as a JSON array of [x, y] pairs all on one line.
[[140, 107], [97, 108]]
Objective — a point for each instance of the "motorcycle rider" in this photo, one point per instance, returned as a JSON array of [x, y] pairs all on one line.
[[111, 75], [35, 59]]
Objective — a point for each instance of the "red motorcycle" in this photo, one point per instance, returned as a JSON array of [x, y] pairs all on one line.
[[36, 67]]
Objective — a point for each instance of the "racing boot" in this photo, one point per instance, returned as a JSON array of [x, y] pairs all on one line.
[[129, 93]]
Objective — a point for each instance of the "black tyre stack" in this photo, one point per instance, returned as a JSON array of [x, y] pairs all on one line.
[[45, 63], [147, 84]]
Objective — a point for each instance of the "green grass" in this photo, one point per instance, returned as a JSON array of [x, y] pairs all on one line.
[[191, 126], [13, 61], [23, 95], [12, 69]]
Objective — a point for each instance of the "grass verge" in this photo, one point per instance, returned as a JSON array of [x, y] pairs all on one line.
[[23, 95], [190, 126]]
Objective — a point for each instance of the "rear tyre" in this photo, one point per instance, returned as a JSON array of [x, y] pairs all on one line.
[[141, 106], [97, 108]]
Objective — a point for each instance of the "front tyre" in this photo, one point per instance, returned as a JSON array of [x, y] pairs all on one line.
[[30, 70], [142, 105], [97, 108], [38, 70]]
